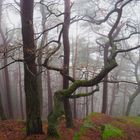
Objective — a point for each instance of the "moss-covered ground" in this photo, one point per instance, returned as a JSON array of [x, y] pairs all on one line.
[[96, 126]]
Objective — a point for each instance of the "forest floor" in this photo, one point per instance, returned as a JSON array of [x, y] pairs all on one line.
[[94, 127]]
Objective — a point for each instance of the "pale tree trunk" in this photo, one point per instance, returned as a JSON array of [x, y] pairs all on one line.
[[43, 41], [33, 112], [137, 91], [131, 100], [86, 98], [124, 100], [113, 97], [92, 102], [75, 56], [39, 79], [8, 90], [6, 73]]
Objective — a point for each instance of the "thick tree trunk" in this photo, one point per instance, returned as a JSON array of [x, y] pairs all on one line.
[[67, 107], [58, 110], [33, 113]]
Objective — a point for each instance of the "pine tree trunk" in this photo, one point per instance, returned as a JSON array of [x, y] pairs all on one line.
[[105, 84], [50, 98], [21, 93], [2, 114], [8, 90], [67, 107]]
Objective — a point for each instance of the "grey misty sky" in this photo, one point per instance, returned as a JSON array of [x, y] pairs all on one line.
[[12, 17]]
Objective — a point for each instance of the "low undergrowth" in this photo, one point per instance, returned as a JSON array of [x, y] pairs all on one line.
[[109, 131], [96, 126]]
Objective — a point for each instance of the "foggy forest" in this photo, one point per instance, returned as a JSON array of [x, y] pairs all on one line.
[[69, 69]]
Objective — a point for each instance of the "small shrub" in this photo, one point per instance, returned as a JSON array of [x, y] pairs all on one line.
[[110, 131]]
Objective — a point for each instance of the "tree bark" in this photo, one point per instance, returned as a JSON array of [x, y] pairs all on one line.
[[58, 110], [105, 84], [33, 113], [131, 100], [50, 98], [67, 107], [21, 93], [2, 114]]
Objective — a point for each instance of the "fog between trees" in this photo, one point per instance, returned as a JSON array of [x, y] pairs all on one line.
[[72, 49]]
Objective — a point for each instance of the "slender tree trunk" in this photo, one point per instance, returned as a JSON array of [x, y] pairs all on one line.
[[39, 79], [67, 107], [21, 93], [115, 90], [2, 114], [124, 100], [131, 100], [105, 84], [137, 91], [92, 102], [50, 100], [33, 112], [6, 73], [43, 41], [8, 90], [75, 56], [86, 98]]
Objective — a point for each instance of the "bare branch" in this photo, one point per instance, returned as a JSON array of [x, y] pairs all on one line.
[[127, 50], [121, 81], [125, 38], [18, 60], [41, 33]]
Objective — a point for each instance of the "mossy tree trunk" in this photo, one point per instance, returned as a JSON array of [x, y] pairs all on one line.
[[60, 95], [33, 113], [58, 110]]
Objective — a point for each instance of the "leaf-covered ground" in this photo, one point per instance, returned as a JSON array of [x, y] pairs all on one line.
[[94, 127]]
